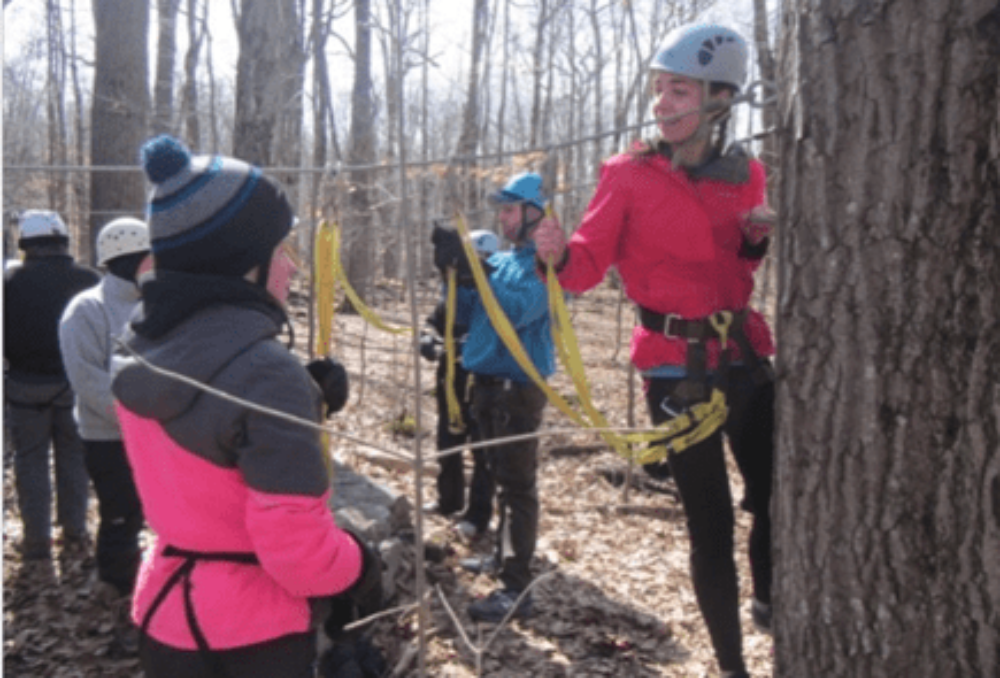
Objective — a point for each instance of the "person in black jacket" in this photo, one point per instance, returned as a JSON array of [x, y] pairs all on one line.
[[451, 477], [37, 395]]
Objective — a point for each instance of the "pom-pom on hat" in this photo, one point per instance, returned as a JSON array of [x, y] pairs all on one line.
[[211, 214]]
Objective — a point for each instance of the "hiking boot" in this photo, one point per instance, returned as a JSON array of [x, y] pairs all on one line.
[[496, 606], [481, 564], [761, 615]]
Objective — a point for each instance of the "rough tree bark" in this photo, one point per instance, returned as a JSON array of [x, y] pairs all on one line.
[[270, 58], [166, 53], [361, 151], [887, 504], [120, 109], [468, 140], [196, 31]]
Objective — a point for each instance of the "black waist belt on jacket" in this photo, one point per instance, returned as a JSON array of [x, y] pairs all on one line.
[[183, 575], [696, 332]]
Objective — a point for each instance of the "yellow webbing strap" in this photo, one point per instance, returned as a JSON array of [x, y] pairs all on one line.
[[564, 337], [677, 434], [681, 432], [324, 286], [359, 306], [325, 289], [455, 423], [505, 330]]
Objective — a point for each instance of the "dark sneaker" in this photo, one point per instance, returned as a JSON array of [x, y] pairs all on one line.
[[761, 614], [495, 607], [481, 564]]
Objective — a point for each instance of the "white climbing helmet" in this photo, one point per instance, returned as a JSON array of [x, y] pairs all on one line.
[[41, 224], [707, 52], [120, 237], [484, 242]]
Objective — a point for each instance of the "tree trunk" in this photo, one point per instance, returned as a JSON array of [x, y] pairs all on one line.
[[189, 103], [120, 108], [887, 507], [768, 73], [166, 52], [359, 240], [468, 141], [270, 54], [56, 105]]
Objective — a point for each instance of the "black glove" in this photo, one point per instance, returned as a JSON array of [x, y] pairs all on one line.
[[430, 346], [448, 250], [332, 379], [363, 598]]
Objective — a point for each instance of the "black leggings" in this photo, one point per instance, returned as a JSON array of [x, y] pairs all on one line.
[[700, 474], [291, 656]]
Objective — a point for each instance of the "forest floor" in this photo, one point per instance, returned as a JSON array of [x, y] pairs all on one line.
[[615, 596]]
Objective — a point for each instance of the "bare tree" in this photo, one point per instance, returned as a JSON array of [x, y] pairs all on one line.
[[361, 153], [166, 51], [56, 103], [189, 102], [887, 506], [468, 140], [120, 108], [267, 72]]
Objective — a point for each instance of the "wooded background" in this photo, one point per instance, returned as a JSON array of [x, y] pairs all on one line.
[[885, 173]]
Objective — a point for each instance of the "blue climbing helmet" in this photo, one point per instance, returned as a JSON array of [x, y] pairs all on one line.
[[523, 188], [706, 52]]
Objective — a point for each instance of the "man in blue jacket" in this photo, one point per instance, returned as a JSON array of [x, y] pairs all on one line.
[[506, 402]]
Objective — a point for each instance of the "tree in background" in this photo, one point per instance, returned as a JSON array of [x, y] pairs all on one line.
[[359, 239], [887, 508], [268, 81], [120, 111], [166, 52]]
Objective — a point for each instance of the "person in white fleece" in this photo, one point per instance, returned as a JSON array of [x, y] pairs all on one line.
[[87, 331]]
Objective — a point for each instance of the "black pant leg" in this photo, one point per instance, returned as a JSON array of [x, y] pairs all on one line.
[[703, 483], [750, 429], [118, 552], [451, 477], [503, 410]]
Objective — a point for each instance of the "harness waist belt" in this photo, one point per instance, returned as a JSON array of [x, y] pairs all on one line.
[[675, 327]]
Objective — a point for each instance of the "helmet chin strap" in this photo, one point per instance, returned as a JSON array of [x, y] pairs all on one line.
[[708, 117], [527, 226]]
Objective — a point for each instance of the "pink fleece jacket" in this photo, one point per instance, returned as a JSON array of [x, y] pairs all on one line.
[[194, 505]]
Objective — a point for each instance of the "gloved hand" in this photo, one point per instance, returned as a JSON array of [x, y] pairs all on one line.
[[332, 379], [448, 250], [430, 346], [758, 224], [550, 241], [363, 598]]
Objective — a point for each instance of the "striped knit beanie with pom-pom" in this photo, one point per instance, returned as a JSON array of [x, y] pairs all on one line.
[[211, 214]]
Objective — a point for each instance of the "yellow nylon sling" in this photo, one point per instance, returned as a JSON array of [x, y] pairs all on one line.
[[363, 310]]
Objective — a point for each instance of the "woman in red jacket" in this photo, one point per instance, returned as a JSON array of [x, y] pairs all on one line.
[[685, 222]]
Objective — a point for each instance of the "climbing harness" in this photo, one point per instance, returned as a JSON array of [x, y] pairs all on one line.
[[182, 576]]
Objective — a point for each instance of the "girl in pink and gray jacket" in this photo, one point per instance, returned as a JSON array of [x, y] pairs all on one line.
[[247, 549]]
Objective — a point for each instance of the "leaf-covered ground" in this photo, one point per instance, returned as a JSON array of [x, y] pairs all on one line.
[[615, 598]]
